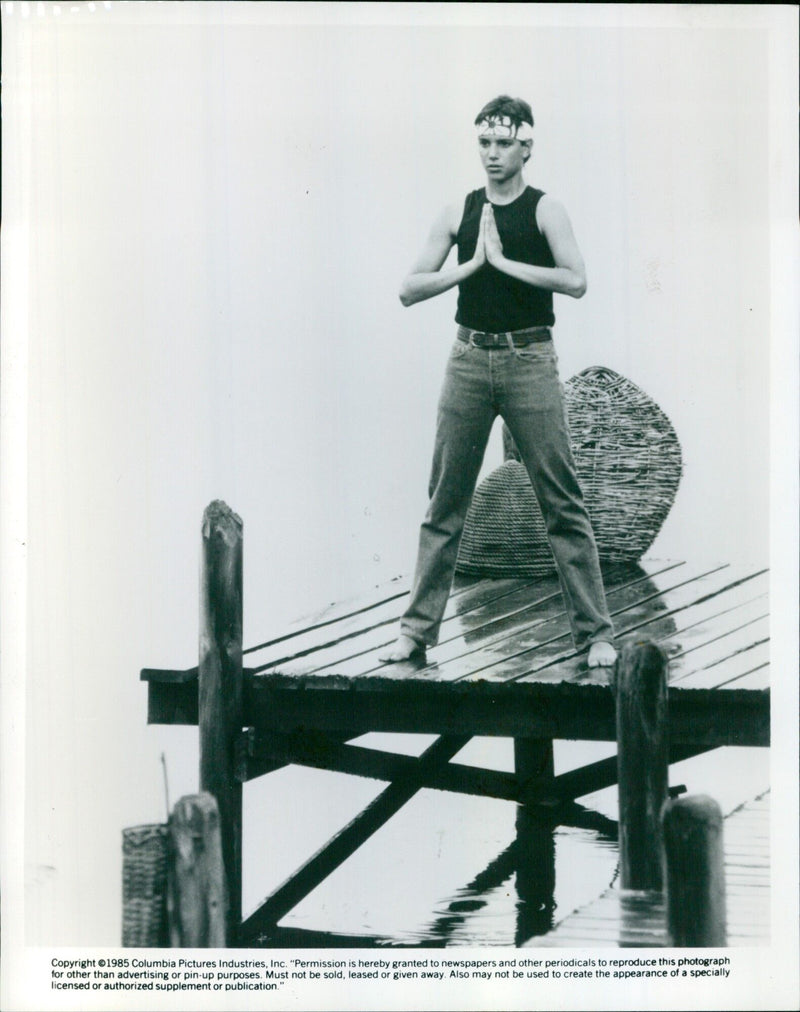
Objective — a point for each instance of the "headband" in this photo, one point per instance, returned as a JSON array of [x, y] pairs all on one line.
[[504, 126]]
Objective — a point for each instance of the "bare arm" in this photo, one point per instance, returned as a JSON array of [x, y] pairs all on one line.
[[426, 278], [568, 277]]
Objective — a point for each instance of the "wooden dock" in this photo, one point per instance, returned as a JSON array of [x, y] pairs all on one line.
[[504, 666], [638, 920], [505, 663]]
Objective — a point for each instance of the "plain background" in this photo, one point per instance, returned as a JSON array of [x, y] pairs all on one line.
[[208, 211]]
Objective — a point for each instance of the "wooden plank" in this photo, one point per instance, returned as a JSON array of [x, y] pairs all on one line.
[[601, 774], [380, 594], [659, 626], [356, 632], [172, 703], [472, 603], [580, 709], [692, 626], [320, 751], [687, 654], [527, 709], [562, 710], [359, 632], [729, 669], [685, 587], [323, 752], [724, 643], [507, 609], [349, 839], [547, 630], [697, 625], [471, 609], [313, 645], [259, 753], [360, 607], [425, 706], [169, 675], [700, 715], [470, 619]]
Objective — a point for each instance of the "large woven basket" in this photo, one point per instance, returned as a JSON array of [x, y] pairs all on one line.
[[144, 886], [628, 460]]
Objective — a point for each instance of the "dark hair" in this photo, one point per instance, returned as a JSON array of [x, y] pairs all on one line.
[[517, 109]]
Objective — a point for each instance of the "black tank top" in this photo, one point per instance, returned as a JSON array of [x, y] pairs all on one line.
[[490, 300]]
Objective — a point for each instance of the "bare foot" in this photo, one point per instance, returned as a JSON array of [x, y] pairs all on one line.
[[601, 655], [405, 649]]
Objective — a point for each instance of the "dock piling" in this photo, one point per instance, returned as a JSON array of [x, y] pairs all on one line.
[[695, 865], [220, 689], [643, 762], [197, 893]]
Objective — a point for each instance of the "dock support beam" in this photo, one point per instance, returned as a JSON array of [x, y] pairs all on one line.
[[220, 689], [643, 762], [695, 861]]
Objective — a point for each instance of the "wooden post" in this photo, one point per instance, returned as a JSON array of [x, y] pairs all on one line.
[[220, 689], [533, 760], [197, 902], [535, 844], [533, 765], [642, 762], [695, 862]]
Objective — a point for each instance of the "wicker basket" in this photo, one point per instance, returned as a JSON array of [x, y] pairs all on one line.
[[628, 460], [144, 886]]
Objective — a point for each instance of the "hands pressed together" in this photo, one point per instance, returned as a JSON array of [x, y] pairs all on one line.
[[488, 247]]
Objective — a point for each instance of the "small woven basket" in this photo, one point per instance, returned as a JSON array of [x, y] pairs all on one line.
[[144, 886], [629, 466]]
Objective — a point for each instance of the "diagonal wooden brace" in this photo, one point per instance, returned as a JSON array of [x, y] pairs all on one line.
[[349, 839]]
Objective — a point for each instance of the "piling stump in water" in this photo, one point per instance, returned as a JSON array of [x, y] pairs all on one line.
[[197, 895], [642, 760], [696, 914]]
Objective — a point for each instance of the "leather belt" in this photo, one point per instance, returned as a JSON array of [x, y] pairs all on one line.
[[509, 339]]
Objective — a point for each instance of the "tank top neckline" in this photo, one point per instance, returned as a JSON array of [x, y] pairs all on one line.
[[518, 197]]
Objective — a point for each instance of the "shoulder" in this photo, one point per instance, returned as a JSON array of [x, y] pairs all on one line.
[[452, 215], [550, 213]]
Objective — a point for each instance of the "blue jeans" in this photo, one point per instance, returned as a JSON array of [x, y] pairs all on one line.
[[522, 386]]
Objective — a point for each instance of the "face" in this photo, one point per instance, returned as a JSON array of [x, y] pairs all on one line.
[[502, 157]]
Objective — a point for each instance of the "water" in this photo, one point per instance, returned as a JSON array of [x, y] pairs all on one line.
[[448, 869]]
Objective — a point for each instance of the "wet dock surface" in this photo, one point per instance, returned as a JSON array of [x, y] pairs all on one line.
[[638, 920], [505, 662], [504, 667]]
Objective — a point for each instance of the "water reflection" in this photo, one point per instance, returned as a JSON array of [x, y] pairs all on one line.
[[514, 898], [558, 860], [633, 596], [536, 872]]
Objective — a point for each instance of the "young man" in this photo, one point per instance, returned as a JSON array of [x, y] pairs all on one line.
[[515, 248]]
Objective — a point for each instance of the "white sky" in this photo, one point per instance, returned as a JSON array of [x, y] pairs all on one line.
[[206, 221]]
